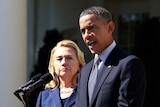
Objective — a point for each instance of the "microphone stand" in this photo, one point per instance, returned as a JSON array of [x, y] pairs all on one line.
[[23, 96], [26, 91]]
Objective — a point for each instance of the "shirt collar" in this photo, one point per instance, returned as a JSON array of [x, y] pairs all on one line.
[[107, 51]]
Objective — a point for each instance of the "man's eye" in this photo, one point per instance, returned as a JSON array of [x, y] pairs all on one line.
[[90, 27], [83, 31]]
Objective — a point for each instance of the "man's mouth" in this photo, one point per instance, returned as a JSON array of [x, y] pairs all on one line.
[[91, 43]]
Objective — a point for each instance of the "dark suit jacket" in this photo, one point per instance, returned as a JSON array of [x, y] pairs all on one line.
[[122, 82], [51, 98]]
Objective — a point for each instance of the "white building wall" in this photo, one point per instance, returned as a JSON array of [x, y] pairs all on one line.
[[12, 50]]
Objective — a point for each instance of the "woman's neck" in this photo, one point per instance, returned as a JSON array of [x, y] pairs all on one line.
[[65, 92], [66, 84]]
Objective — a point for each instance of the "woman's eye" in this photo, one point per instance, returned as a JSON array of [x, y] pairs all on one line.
[[69, 58], [59, 59]]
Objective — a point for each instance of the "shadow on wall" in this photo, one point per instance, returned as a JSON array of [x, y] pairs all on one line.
[[41, 66], [148, 49]]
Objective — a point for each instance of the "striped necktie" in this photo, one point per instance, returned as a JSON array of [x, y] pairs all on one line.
[[93, 77]]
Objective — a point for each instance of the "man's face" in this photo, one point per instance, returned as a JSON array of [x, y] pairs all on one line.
[[96, 33]]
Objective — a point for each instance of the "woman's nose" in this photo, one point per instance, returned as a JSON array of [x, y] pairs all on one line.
[[64, 61]]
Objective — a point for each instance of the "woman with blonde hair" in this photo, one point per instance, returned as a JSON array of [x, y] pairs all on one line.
[[66, 60]]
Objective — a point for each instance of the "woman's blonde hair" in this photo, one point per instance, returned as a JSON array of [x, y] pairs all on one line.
[[80, 56]]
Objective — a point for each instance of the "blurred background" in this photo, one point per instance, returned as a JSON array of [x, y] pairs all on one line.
[[30, 28]]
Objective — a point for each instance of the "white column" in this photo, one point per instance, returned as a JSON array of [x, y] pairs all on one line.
[[12, 50]]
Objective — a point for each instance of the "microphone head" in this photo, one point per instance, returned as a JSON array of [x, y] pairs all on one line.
[[44, 79], [36, 77], [47, 77], [33, 79]]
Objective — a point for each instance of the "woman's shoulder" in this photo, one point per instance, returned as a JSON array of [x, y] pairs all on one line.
[[53, 90]]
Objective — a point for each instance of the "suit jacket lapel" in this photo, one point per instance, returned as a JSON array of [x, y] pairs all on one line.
[[85, 72], [104, 74], [71, 100], [55, 97], [108, 65]]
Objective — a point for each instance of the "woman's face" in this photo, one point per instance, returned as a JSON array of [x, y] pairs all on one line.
[[66, 63]]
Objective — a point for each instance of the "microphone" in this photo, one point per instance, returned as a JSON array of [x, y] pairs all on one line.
[[33, 79], [20, 89], [44, 79]]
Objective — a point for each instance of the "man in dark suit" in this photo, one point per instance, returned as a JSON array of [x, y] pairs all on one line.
[[121, 79]]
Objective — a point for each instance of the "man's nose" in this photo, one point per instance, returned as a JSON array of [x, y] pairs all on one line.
[[87, 34]]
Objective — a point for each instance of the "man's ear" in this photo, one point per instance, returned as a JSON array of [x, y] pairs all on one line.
[[111, 26]]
